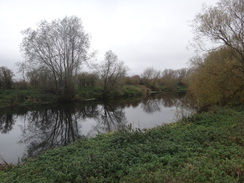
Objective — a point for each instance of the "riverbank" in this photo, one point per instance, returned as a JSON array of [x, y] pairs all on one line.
[[207, 147], [34, 97]]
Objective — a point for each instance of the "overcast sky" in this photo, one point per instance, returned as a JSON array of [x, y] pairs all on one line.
[[143, 33]]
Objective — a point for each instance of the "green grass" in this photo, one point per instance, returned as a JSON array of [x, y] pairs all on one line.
[[207, 147]]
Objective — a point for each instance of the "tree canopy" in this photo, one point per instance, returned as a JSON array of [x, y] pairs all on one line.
[[112, 72], [223, 25], [218, 75], [57, 48], [6, 78]]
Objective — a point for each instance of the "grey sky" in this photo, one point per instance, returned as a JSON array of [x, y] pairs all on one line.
[[143, 33]]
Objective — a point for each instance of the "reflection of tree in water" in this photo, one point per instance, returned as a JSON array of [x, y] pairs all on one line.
[[125, 103], [151, 105], [6, 122], [110, 118], [50, 128], [8, 118], [87, 111], [170, 100], [185, 107]]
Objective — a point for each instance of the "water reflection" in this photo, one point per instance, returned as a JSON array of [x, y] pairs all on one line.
[[46, 128], [151, 105], [111, 118], [8, 118], [157, 101], [49, 128], [6, 122]]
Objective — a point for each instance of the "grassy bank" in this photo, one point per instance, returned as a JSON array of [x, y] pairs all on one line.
[[85, 93], [30, 97], [208, 147], [27, 97]]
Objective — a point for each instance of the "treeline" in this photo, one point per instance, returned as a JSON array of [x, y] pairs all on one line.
[[154, 80], [166, 80], [103, 82], [150, 80]]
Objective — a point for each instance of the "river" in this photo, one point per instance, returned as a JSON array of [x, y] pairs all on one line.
[[27, 133]]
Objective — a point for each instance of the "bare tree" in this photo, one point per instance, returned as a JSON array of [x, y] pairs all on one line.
[[41, 78], [6, 78], [87, 79], [150, 73], [61, 46], [150, 78], [222, 24], [112, 72], [22, 69]]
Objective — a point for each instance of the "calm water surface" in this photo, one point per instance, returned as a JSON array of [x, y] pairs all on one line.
[[27, 133]]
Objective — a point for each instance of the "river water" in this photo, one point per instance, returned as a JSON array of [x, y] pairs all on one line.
[[27, 133]]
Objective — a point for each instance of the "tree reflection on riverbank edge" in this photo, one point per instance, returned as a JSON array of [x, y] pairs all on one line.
[[49, 127]]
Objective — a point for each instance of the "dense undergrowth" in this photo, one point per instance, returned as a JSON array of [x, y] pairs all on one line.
[[207, 147]]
